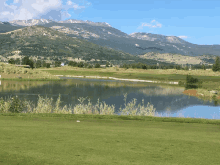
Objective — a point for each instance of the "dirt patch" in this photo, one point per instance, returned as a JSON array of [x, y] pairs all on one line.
[[193, 92]]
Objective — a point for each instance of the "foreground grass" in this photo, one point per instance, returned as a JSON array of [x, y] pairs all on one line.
[[107, 139]]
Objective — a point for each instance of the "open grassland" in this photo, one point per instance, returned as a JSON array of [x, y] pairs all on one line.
[[168, 74], [11, 72], [107, 139], [113, 70]]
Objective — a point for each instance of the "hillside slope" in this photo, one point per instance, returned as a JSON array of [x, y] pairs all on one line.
[[103, 34], [45, 43]]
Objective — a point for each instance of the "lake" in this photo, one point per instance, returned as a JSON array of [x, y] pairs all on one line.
[[168, 100]]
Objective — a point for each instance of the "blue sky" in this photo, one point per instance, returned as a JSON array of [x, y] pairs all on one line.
[[195, 21]]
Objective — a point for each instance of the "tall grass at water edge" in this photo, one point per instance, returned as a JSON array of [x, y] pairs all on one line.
[[45, 105]]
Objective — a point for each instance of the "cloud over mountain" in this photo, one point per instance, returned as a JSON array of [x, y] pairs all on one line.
[[34, 9], [183, 36], [152, 24]]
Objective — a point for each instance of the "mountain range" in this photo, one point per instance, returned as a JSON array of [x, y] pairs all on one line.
[[103, 34]]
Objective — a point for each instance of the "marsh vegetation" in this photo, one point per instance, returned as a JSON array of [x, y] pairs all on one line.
[[45, 105]]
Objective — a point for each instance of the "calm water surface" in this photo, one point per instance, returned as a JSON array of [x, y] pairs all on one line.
[[168, 101]]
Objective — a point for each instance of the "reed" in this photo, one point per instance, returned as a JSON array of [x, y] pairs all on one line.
[[45, 105], [132, 110]]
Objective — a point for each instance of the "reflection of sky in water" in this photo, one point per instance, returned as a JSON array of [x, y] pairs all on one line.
[[207, 112]]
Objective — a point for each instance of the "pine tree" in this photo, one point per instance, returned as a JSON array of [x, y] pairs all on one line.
[[216, 66]]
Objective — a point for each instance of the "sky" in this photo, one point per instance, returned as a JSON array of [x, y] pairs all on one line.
[[195, 21]]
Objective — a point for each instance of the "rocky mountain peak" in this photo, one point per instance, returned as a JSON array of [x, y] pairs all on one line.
[[157, 37], [30, 22], [86, 21]]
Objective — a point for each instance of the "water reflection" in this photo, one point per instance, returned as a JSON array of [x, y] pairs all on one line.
[[167, 100], [207, 112]]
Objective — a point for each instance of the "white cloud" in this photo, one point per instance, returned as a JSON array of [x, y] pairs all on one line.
[[16, 1], [183, 36], [152, 24], [69, 2], [34, 9]]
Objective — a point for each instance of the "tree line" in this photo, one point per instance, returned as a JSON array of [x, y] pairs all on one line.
[[33, 64], [57, 63]]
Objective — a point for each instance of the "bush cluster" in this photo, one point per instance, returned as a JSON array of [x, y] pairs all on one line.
[[192, 82]]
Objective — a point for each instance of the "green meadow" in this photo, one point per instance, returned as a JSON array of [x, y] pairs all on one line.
[[107, 139]]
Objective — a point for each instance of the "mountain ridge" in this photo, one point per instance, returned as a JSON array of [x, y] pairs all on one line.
[[105, 35], [45, 43]]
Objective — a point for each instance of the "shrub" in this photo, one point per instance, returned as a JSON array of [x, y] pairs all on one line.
[[48, 65], [90, 66], [17, 105], [11, 61], [72, 63], [97, 65], [180, 83], [192, 82]]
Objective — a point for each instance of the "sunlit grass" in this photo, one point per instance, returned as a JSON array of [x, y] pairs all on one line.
[[199, 72], [49, 138], [9, 71]]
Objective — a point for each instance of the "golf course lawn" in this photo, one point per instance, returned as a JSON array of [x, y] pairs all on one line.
[[96, 139]]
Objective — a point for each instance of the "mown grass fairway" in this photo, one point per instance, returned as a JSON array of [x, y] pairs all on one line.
[[59, 139]]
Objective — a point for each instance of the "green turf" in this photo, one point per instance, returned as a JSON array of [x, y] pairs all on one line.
[[59, 139], [143, 76]]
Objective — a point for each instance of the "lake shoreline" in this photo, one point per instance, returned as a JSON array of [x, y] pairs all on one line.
[[120, 79], [189, 92]]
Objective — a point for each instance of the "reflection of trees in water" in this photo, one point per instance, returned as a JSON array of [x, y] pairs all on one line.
[[107, 83], [20, 85], [159, 91]]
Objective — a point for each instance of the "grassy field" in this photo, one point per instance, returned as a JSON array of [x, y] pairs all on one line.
[[104, 139], [11, 72]]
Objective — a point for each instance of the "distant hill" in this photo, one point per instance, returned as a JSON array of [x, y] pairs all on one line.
[[103, 34], [6, 27], [45, 43]]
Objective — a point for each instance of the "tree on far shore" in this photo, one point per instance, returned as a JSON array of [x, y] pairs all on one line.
[[216, 66]]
